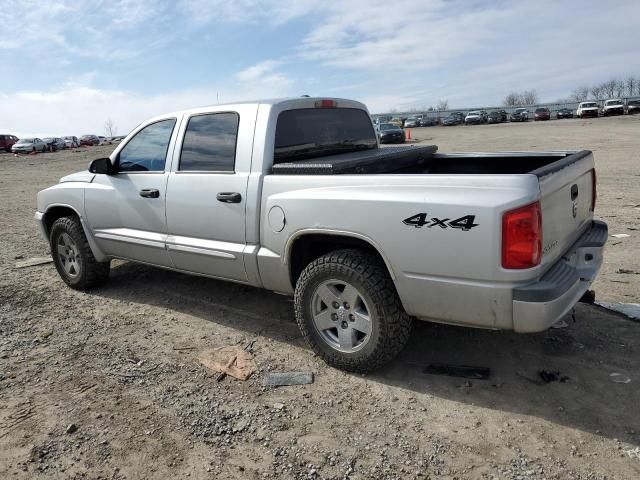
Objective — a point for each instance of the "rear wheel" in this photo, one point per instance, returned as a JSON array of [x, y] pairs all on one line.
[[73, 257], [349, 312]]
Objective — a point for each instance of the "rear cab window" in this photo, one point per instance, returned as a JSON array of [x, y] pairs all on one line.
[[317, 132]]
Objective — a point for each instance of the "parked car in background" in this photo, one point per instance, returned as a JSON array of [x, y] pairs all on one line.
[[28, 145], [494, 117], [520, 115], [504, 116], [564, 113], [587, 109], [411, 122], [397, 121], [614, 106], [7, 141], [450, 121], [541, 113], [54, 143], [71, 141], [633, 106], [89, 140], [390, 133], [459, 116], [474, 117], [426, 121]]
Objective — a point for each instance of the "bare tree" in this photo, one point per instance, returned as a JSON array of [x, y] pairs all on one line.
[[512, 100], [442, 105], [609, 88], [580, 94], [110, 129], [597, 92], [530, 97], [620, 87]]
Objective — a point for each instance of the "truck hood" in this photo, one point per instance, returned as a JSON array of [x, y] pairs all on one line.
[[83, 176]]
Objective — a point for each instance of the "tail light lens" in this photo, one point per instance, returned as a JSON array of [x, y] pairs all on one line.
[[326, 104], [594, 189], [522, 237]]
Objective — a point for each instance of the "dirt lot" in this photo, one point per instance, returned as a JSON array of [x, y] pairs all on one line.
[[119, 363]]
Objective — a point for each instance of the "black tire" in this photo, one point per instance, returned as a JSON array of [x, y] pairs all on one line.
[[90, 272], [390, 324]]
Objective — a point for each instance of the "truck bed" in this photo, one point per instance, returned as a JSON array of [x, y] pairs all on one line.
[[425, 160]]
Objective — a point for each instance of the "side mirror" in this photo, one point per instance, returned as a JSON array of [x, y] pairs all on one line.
[[102, 165]]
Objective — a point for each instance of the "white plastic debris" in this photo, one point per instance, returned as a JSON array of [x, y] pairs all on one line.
[[621, 235], [619, 378], [631, 310]]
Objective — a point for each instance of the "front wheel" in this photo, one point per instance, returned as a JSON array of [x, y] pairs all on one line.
[[349, 312], [73, 257]]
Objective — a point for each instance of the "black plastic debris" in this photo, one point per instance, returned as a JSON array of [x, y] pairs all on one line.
[[552, 376], [464, 371]]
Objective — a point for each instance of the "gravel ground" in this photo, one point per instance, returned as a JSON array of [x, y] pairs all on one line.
[[105, 385]]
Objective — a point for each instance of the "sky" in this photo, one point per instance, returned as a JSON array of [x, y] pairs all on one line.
[[66, 66]]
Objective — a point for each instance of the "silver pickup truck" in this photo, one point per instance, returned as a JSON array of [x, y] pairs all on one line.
[[296, 196]]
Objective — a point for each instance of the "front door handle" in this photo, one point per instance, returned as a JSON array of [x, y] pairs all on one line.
[[229, 197], [149, 193]]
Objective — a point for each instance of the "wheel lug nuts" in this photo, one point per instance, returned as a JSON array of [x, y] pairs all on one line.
[[346, 305], [334, 316], [336, 305], [351, 317]]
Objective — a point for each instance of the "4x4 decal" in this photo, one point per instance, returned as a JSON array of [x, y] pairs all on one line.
[[419, 220]]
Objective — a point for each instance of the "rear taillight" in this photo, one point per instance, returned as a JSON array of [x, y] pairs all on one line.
[[594, 189], [522, 237], [326, 104]]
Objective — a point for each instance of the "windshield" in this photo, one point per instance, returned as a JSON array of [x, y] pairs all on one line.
[[614, 102], [589, 105], [26, 140], [473, 113], [634, 102], [315, 132], [388, 126], [520, 110], [541, 110]]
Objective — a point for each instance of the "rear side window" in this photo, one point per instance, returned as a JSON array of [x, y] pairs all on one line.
[[316, 132], [210, 143], [147, 151]]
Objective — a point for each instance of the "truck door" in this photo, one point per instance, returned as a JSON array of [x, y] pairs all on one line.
[[207, 194], [126, 211]]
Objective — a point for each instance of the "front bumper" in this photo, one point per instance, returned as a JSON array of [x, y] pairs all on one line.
[[538, 305]]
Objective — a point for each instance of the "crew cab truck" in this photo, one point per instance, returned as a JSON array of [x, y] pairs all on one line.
[[297, 197], [613, 107], [587, 109]]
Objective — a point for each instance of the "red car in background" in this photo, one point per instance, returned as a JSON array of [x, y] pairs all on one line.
[[7, 141], [542, 113], [89, 140]]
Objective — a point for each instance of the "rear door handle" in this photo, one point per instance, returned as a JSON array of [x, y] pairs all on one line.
[[149, 193], [229, 197]]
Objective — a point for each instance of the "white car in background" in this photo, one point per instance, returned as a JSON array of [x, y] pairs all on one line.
[[615, 106], [71, 141], [588, 109], [29, 145]]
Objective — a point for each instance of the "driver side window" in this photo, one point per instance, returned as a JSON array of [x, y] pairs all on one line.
[[147, 151]]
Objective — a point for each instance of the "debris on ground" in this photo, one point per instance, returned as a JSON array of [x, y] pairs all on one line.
[[32, 262], [619, 378], [552, 376], [560, 324], [272, 379], [621, 235], [631, 310], [626, 270], [464, 371], [71, 428], [633, 453], [230, 360]]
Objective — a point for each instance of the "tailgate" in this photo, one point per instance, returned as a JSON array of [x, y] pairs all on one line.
[[566, 199]]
